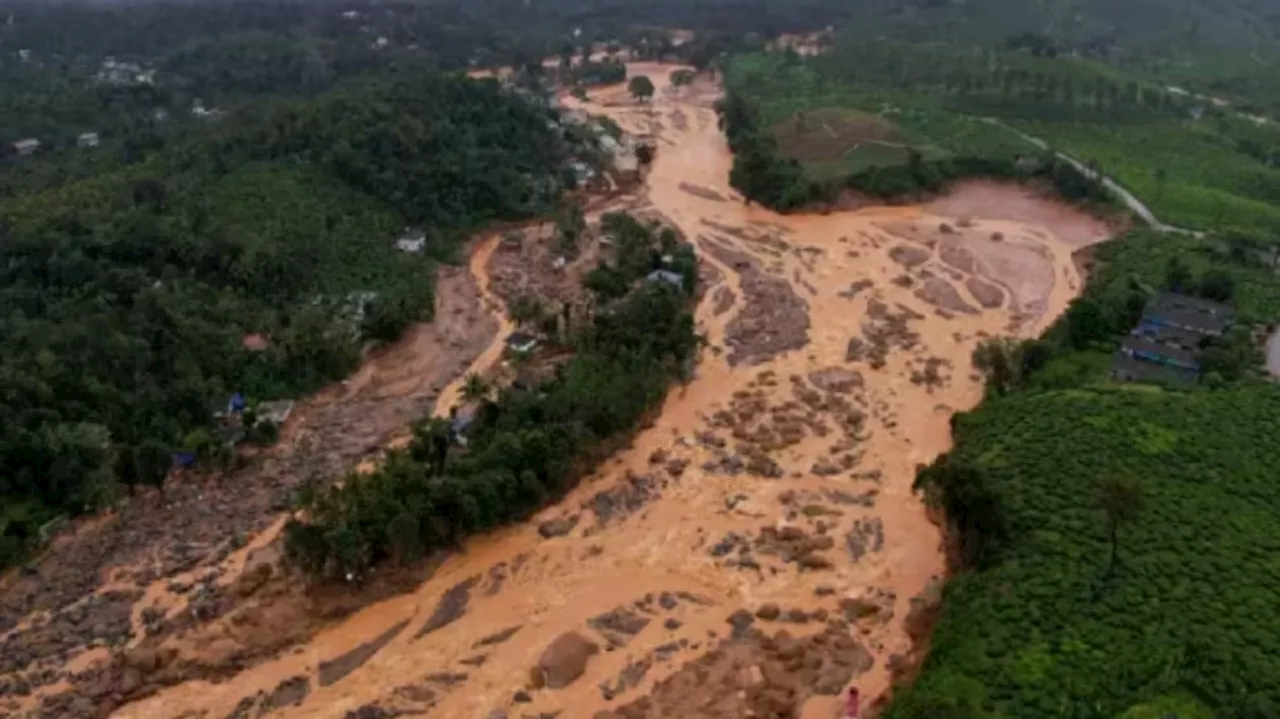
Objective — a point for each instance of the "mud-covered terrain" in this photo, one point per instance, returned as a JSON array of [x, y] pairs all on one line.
[[754, 551]]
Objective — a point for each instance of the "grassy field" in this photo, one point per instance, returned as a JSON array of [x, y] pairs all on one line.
[[1205, 171], [834, 142], [834, 129]]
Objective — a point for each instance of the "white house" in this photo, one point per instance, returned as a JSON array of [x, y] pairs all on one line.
[[87, 139], [113, 72], [26, 147], [522, 342], [413, 240]]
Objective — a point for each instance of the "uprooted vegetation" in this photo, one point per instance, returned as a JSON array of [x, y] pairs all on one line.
[[524, 448]]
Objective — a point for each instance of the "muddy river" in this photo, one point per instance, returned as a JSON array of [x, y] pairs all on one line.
[[776, 481]]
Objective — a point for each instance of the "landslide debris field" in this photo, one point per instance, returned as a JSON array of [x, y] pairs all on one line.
[[755, 550]]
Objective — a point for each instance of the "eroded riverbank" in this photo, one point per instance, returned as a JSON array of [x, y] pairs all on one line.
[[773, 490]]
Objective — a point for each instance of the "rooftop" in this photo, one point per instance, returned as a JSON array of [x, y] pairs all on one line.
[[255, 342], [522, 341], [277, 412], [462, 418], [1176, 355], [1127, 368], [1193, 313], [1166, 334], [1173, 300], [671, 278]]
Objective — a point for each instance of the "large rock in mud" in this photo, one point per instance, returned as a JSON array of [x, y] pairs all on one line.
[[565, 659], [558, 527], [987, 294], [940, 293], [909, 257]]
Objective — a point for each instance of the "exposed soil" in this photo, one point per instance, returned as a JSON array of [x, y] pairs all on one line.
[[987, 294], [1002, 201], [772, 489], [164, 562], [773, 319], [940, 293]]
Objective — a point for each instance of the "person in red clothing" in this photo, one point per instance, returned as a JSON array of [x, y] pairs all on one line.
[[851, 702]]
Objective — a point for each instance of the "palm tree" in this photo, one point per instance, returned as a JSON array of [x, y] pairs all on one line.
[[475, 388], [1121, 498]]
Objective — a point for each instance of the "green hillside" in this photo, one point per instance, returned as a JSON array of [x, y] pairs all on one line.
[[1190, 608], [125, 296], [1196, 166], [1123, 27]]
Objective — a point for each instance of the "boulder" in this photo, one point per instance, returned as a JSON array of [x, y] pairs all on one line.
[[768, 612], [558, 527], [814, 562], [565, 659]]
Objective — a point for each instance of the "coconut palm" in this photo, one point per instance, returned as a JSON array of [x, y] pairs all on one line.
[[475, 388]]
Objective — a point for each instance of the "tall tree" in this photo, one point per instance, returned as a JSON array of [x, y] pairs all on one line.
[[641, 87], [1121, 499], [475, 388], [996, 359], [1178, 277], [1086, 322]]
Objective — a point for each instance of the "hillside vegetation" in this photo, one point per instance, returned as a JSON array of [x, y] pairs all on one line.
[[1113, 542], [126, 295], [1048, 630], [801, 134], [1195, 165], [528, 444]]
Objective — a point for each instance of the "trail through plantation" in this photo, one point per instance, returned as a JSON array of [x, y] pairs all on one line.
[[772, 491], [1130, 200]]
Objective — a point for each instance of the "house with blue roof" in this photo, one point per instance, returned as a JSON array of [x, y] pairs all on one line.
[[1166, 344]]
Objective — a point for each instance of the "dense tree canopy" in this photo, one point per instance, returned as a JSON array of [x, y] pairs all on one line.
[[126, 296]]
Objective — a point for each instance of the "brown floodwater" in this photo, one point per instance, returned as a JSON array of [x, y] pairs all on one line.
[[1003, 235]]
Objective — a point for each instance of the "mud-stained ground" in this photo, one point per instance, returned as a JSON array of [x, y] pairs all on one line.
[[163, 562], [1002, 201], [757, 548]]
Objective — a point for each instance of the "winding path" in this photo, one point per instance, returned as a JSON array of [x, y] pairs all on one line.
[[1137, 206]]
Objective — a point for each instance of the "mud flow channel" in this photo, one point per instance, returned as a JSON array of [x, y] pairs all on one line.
[[759, 546]]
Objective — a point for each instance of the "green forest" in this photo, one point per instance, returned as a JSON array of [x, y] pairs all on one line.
[[126, 294]]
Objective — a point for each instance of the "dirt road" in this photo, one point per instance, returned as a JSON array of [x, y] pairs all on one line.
[[757, 548]]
